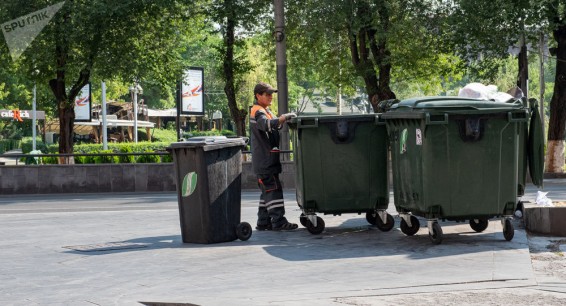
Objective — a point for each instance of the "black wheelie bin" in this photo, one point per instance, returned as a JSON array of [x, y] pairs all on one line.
[[208, 171]]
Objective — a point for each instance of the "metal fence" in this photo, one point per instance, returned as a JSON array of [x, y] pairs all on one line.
[[66, 156], [287, 155]]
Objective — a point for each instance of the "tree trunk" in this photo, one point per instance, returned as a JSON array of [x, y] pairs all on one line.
[[362, 64], [382, 57], [238, 115], [66, 102], [377, 73], [64, 107], [66, 122], [557, 122]]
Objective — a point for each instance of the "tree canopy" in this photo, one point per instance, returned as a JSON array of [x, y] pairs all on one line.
[[364, 49]]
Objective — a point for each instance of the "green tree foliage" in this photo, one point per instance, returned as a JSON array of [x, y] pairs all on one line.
[[237, 19], [485, 30], [202, 50], [129, 40], [388, 42]]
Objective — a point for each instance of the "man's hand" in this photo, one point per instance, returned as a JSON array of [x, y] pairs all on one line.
[[286, 117]]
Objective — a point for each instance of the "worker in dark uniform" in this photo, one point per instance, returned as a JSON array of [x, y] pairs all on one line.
[[264, 130]]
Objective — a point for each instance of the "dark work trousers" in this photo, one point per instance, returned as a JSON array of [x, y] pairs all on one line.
[[271, 206]]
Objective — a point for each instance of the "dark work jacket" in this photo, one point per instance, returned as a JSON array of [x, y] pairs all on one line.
[[264, 130]]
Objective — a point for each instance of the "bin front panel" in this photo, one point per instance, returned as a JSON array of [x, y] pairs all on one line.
[[407, 164], [443, 174], [478, 178], [341, 174], [224, 168]]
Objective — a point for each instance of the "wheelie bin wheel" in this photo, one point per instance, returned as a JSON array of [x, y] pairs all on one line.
[[371, 217], [244, 231], [319, 228], [480, 225], [410, 230], [436, 234], [303, 220], [385, 227], [508, 230]]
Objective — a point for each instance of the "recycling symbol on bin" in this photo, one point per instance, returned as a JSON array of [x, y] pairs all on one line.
[[189, 184]]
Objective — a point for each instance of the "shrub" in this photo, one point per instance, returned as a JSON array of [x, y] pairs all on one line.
[[50, 160], [80, 160], [148, 158], [226, 133], [9, 144], [27, 145], [126, 158], [106, 159], [167, 158], [88, 159], [159, 135]]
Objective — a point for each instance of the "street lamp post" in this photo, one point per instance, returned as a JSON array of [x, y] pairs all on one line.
[[104, 120], [34, 117], [281, 61], [34, 112], [136, 89]]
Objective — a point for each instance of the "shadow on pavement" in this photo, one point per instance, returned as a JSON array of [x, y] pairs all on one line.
[[351, 239]]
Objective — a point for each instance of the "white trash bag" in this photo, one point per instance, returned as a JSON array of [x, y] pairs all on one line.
[[476, 91], [542, 200], [483, 92]]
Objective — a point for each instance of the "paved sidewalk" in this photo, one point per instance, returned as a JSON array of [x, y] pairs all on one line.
[[351, 263]]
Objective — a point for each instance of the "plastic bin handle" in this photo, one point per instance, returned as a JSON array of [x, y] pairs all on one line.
[[379, 120], [303, 123], [436, 119], [521, 116]]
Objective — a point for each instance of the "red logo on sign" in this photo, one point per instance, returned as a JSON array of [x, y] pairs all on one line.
[[17, 115], [82, 101]]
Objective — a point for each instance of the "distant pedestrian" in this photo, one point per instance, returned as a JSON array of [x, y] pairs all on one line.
[[264, 130]]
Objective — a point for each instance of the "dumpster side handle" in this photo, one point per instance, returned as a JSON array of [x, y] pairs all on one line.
[[521, 116], [303, 123], [436, 119]]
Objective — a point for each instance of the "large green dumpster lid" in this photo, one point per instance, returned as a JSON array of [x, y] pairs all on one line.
[[453, 104], [535, 147], [334, 118], [314, 120]]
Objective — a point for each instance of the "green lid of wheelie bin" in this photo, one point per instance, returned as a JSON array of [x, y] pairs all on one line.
[[535, 146], [210, 142]]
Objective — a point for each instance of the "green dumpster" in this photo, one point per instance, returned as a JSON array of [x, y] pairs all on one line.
[[455, 159], [341, 167], [208, 172]]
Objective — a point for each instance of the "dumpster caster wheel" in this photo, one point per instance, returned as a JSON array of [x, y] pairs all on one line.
[[385, 227], [508, 230], [479, 225], [319, 228], [303, 220], [244, 231], [410, 230], [435, 234], [371, 217]]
